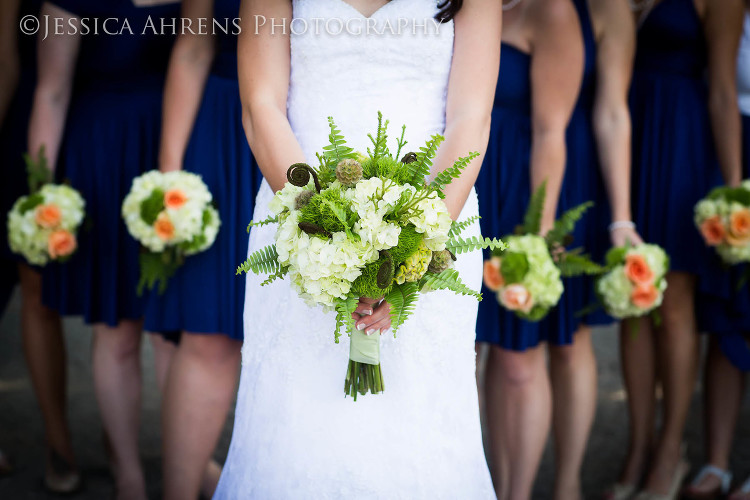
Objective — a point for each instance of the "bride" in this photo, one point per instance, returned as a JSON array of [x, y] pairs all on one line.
[[295, 434]]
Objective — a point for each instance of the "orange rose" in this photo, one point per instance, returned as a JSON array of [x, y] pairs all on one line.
[[713, 231], [48, 216], [516, 298], [174, 198], [645, 296], [492, 277], [739, 228], [61, 243], [164, 227], [637, 270]]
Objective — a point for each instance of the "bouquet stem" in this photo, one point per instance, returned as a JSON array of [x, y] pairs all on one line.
[[363, 374]]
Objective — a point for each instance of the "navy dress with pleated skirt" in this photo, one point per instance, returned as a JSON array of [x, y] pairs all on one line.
[[13, 143], [111, 136], [674, 160], [205, 296], [504, 189]]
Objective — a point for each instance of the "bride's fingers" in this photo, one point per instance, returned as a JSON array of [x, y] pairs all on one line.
[[364, 309], [380, 319]]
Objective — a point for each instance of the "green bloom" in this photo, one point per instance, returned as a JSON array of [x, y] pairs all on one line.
[[415, 266], [440, 261], [348, 172]]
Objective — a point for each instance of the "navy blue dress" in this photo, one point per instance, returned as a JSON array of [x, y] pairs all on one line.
[[674, 161], [504, 188], [111, 136], [13, 143], [205, 296]]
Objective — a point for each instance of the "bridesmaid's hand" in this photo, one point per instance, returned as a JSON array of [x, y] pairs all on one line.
[[621, 236], [372, 315]]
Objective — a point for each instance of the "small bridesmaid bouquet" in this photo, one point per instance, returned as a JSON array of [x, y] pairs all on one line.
[[634, 281], [171, 215], [527, 277], [42, 226], [366, 226], [723, 218]]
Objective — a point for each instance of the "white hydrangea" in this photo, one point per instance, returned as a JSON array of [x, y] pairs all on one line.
[[431, 217], [30, 239], [542, 279], [186, 217]]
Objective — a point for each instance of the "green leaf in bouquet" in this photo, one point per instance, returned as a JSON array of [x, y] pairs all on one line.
[[458, 227], [380, 141], [537, 313], [615, 256], [278, 274], [532, 220], [743, 279], [589, 309], [344, 311], [152, 206], [576, 264], [30, 203], [419, 169], [401, 142], [37, 171], [408, 242], [157, 268], [447, 280], [445, 177], [565, 224], [271, 219], [458, 245], [402, 299], [514, 268], [368, 284], [263, 261], [334, 152], [738, 195], [330, 211]]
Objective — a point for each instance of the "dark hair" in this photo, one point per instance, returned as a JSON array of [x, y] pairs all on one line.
[[448, 10]]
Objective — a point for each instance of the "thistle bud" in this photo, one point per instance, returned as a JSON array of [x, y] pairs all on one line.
[[348, 172]]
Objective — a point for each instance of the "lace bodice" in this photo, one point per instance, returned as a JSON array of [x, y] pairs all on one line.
[[400, 67]]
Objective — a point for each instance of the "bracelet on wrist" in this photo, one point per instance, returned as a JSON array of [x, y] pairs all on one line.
[[621, 224]]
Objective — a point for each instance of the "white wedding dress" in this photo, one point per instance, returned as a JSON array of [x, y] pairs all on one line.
[[295, 434]]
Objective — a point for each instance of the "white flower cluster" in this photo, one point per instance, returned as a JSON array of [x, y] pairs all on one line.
[[725, 225], [542, 280], [627, 292], [179, 203], [42, 226]]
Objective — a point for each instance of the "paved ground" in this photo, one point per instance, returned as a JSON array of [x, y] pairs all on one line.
[[21, 433]]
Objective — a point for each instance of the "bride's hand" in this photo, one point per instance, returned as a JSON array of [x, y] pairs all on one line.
[[372, 315]]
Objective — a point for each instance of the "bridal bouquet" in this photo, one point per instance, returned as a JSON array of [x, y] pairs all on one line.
[[526, 277], [42, 226], [723, 218], [366, 226], [171, 215], [634, 281]]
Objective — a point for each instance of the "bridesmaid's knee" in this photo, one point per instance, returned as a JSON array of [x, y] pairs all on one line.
[[518, 368]]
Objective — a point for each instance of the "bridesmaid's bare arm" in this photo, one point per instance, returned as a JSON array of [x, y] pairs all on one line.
[[471, 90], [56, 64], [722, 24], [264, 65], [189, 66]]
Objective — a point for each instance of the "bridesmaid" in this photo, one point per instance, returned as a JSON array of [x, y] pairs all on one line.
[[202, 132], [542, 65], [728, 352], [41, 328], [99, 120], [682, 98]]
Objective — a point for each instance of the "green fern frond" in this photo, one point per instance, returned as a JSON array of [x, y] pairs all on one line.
[[277, 275], [418, 170], [445, 177], [271, 219], [263, 261], [566, 224], [337, 150], [157, 268], [532, 221], [37, 170], [381, 138], [448, 280], [344, 311], [458, 245], [401, 142], [458, 227], [573, 264], [402, 299]]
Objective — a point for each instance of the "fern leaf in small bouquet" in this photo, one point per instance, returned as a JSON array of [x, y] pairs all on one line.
[[366, 225]]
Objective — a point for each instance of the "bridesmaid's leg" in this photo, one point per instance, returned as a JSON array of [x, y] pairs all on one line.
[[116, 362], [722, 403], [163, 352], [573, 376], [201, 386], [638, 361], [677, 349], [518, 406], [44, 349]]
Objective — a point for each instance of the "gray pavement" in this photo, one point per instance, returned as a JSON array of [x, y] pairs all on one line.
[[21, 430]]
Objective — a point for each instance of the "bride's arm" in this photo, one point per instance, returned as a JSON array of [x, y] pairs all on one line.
[[264, 60], [471, 90]]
